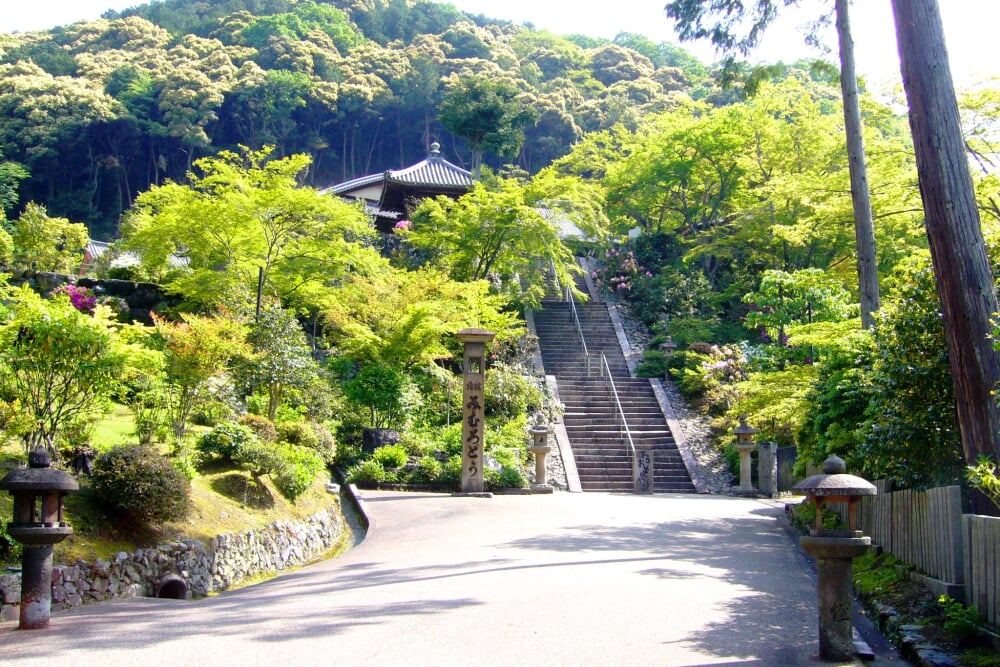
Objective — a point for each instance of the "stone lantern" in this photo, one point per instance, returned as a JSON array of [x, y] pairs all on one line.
[[38, 492], [669, 347], [539, 446], [745, 446], [835, 551]]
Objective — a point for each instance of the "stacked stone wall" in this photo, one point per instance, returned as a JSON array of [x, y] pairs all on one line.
[[226, 562]]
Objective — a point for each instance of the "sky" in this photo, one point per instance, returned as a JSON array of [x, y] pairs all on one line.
[[970, 27]]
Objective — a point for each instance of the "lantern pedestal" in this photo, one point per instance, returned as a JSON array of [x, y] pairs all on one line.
[[835, 551], [834, 568], [540, 448]]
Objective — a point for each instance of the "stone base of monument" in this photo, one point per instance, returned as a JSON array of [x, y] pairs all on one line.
[[472, 494]]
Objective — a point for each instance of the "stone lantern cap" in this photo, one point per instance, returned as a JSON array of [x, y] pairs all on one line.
[[39, 476], [475, 336], [835, 482]]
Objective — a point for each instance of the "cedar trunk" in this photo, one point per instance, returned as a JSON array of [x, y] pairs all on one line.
[[864, 229], [964, 278]]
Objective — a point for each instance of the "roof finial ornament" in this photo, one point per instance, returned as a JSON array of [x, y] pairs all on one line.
[[435, 149]]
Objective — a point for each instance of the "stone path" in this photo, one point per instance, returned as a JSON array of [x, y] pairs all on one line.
[[563, 579]]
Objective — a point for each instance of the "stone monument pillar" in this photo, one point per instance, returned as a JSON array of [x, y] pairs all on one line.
[[642, 469], [767, 469], [473, 426]]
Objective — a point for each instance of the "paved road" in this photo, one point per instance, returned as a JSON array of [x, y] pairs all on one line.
[[566, 579]]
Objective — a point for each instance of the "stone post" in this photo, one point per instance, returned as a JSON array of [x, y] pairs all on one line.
[[767, 469], [642, 469], [473, 426]]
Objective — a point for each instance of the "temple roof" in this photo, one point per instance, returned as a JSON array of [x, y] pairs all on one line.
[[389, 195], [434, 171]]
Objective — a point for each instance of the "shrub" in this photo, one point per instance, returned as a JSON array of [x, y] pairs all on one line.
[[296, 471], [224, 440], [185, 459], [368, 473], [262, 427], [654, 364], [512, 478], [427, 471], [451, 472], [257, 458], [297, 433], [326, 444], [511, 393], [140, 483], [391, 457]]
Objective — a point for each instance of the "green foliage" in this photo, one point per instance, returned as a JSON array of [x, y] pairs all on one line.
[[44, 243], [196, 351], [984, 476], [253, 214], [60, 365], [494, 232], [141, 484], [391, 457], [296, 471], [961, 623], [281, 360], [261, 426], [511, 393], [298, 433], [784, 299], [512, 478], [256, 457], [685, 367], [427, 470], [451, 472], [225, 440], [489, 114], [382, 390], [912, 406], [837, 404], [368, 473], [654, 364], [10, 549], [877, 574]]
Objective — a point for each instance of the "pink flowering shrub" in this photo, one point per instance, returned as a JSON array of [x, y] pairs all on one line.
[[620, 272], [85, 301], [81, 297], [403, 225]]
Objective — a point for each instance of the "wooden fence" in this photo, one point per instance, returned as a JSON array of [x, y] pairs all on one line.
[[982, 564], [928, 530]]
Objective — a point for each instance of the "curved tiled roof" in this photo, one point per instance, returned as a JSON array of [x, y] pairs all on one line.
[[434, 171], [353, 184]]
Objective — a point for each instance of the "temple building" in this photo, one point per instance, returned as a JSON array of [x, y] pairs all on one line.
[[391, 196]]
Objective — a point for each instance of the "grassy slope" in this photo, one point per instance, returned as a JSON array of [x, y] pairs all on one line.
[[223, 500]]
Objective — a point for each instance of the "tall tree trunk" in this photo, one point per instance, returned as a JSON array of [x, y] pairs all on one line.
[[964, 279], [864, 228]]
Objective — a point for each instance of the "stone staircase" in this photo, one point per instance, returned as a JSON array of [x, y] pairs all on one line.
[[602, 454]]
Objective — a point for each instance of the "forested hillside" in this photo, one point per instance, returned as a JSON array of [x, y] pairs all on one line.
[[97, 112]]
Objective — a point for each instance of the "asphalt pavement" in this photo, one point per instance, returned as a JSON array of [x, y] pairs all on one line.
[[561, 579]]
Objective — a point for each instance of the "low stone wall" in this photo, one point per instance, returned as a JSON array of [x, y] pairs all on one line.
[[226, 562]]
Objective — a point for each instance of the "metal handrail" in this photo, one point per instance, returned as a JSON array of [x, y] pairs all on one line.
[[623, 425], [579, 328]]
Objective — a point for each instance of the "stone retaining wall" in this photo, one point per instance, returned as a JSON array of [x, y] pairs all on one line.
[[229, 560]]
